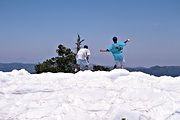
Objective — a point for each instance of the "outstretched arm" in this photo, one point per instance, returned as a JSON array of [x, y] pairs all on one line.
[[126, 40], [104, 50]]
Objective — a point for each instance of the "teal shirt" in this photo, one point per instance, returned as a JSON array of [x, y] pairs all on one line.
[[117, 50]]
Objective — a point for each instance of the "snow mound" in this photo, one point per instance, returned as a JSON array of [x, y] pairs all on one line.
[[88, 95]]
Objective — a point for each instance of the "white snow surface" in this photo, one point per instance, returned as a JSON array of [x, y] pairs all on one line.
[[88, 95]]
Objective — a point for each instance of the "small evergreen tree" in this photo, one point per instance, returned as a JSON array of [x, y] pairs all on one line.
[[66, 59], [65, 62]]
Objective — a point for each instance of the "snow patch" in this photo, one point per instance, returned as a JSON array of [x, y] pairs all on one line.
[[88, 95]]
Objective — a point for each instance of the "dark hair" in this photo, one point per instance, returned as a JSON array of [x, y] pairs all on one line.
[[114, 39], [85, 46]]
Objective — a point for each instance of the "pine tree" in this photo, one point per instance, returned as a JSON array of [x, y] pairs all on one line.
[[64, 62]]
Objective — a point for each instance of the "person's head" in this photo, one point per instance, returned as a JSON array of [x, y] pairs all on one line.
[[114, 39], [85, 46]]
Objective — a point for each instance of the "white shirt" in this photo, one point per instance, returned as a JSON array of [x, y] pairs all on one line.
[[83, 53]]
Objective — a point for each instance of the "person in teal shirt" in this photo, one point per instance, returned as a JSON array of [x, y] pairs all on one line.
[[117, 50]]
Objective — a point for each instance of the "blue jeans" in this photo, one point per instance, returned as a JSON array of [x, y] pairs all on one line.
[[83, 64]]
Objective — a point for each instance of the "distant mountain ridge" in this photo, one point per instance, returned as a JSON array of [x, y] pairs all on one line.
[[7, 67], [173, 71]]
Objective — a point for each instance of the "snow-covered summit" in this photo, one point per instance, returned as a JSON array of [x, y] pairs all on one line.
[[88, 95]]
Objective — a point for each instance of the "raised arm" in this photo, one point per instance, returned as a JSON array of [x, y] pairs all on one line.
[[126, 40]]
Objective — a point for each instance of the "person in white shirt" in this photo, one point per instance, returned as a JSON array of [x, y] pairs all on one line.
[[82, 59]]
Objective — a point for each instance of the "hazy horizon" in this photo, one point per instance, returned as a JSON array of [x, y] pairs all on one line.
[[32, 30]]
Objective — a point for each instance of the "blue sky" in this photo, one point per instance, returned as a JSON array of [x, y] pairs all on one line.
[[31, 30]]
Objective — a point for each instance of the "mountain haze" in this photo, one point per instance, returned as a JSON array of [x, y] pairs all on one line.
[[173, 71], [7, 67]]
